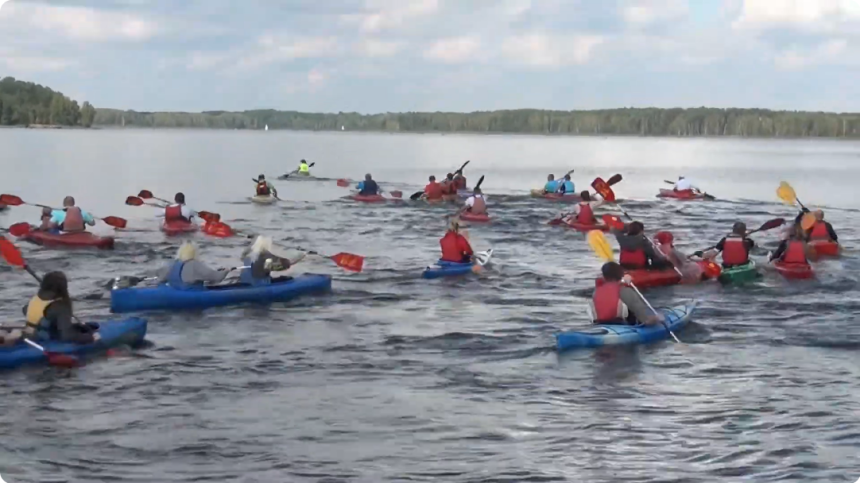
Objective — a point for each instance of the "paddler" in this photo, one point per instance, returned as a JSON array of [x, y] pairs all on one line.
[[304, 168], [821, 230], [178, 211], [455, 247], [448, 185], [793, 250], [566, 186], [45, 220], [262, 263], [735, 247], [459, 181], [476, 204], [583, 212], [690, 271], [637, 251], [616, 302], [368, 187], [433, 191], [264, 188], [684, 184], [186, 272], [551, 185], [71, 219], [49, 314]]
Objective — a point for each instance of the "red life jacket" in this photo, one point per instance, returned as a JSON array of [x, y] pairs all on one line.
[[607, 302], [633, 259], [735, 251], [263, 189], [433, 191], [174, 213], [586, 214], [819, 231], [454, 247], [460, 183], [448, 188], [74, 220], [479, 207], [795, 253]]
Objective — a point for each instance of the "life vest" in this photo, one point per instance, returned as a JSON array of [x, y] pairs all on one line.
[[795, 253], [454, 247], [459, 182], [37, 325], [368, 187], [586, 214], [174, 213], [448, 188], [566, 187], [735, 252], [551, 186], [479, 205], [174, 278], [246, 276], [633, 258], [304, 168], [74, 221], [433, 191], [819, 231], [607, 303], [263, 188]]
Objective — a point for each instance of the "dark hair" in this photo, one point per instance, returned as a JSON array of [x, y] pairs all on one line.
[[179, 198], [368, 176], [432, 178], [612, 272], [739, 228], [262, 176], [450, 175], [585, 195], [56, 283], [635, 228]]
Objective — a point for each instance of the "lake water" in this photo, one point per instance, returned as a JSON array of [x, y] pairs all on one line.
[[393, 378]]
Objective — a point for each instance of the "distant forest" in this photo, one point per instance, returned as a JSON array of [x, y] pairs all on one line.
[[25, 103]]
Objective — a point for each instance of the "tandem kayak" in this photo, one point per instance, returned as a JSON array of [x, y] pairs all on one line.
[[794, 271], [566, 198], [611, 334], [72, 240], [643, 278], [368, 198], [163, 297], [263, 199], [475, 217], [114, 333], [684, 195], [178, 227], [825, 248], [739, 274], [451, 269]]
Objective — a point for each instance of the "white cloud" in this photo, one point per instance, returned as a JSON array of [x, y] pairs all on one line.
[[273, 49], [206, 60], [77, 23], [24, 64], [378, 48], [541, 50], [389, 14], [645, 12], [316, 77], [825, 53], [453, 50], [812, 15]]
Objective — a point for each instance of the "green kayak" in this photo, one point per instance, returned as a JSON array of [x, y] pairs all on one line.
[[739, 274]]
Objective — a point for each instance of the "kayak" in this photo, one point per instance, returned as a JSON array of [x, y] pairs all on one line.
[[218, 230], [825, 248], [297, 177], [739, 274], [368, 198], [681, 195], [475, 217], [75, 240], [573, 197], [174, 228], [584, 227], [113, 333], [264, 199], [794, 271], [162, 297], [451, 269], [612, 334], [643, 278]]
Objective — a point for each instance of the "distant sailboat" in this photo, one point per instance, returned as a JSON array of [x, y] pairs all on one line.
[[341, 127], [267, 127]]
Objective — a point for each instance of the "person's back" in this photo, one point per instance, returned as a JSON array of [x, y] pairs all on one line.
[[304, 168], [566, 187], [586, 214], [614, 302], [476, 204], [433, 191], [49, 314], [263, 188], [459, 182], [186, 272], [821, 230], [369, 188], [73, 221], [795, 252], [683, 184], [551, 186], [455, 248]]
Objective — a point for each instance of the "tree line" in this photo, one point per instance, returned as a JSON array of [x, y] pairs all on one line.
[[627, 121], [25, 103]]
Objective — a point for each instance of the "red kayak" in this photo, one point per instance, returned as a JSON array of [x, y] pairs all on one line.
[[219, 230], [825, 248], [659, 278], [681, 195], [571, 198], [178, 227], [585, 227], [794, 271], [76, 240], [475, 217], [368, 198]]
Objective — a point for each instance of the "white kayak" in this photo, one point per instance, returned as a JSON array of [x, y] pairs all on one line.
[[264, 200]]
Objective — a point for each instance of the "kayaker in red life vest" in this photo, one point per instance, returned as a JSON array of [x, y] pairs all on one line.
[[735, 247], [793, 250], [434, 190], [264, 188], [821, 230], [455, 247], [476, 204], [583, 212], [637, 252], [71, 219], [448, 185], [178, 211], [615, 302], [459, 182], [690, 271], [45, 220]]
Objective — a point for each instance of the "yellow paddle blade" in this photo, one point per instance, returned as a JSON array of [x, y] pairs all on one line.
[[600, 245], [786, 193], [807, 222]]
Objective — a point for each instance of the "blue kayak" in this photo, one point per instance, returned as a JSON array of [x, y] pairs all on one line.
[[163, 297], [602, 335], [114, 333], [453, 269]]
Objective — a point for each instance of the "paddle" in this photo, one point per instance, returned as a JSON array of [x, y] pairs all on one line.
[[285, 176], [785, 192], [460, 171], [204, 215], [600, 246], [768, 225], [19, 229], [346, 261], [128, 281], [13, 257], [602, 188], [13, 200], [147, 195]]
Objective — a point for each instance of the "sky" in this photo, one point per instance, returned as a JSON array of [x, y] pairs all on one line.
[[375, 56]]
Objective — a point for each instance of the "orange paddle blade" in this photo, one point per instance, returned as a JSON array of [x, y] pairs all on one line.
[[785, 192], [209, 216], [11, 200], [115, 221], [807, 222], [712, 270], [613, 222], [134, 201], [603, 189], [396, 194], [343, 183], [61, 360], [11, 253], [598, 243], [20, 229], [349, 261], [145, 194]]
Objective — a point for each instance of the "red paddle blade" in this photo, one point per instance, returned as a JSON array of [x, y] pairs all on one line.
[[712, 270], [134, 201], [115, 221], [614, 180], [554, 222], [209, 216], [349, 261], [11, 253], [61, 360], [774, 223], [20, 229], [11, 200], [613, 222], [343, 183], [603, 189], [145, 194], [396, 194]]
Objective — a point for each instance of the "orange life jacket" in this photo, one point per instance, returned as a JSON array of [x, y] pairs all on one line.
[[174, 213], [735, 251], [607, 302], [74, 220], [586, 214], [633, 259], [263, 188], [819, 231], [795, 253], [454, 247]]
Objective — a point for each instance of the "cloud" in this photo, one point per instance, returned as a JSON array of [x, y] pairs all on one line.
[[828, 52], [810, 15], [453, 50], [378, 48], [24, 64], [646, 12], [541, 50], [78, 23], [390, 14], [272, 48]]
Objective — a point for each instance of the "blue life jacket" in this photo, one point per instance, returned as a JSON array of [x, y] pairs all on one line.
[[246, 276], [174, 278], [368, 187], [360, 186], [551, 186], [567, 187]]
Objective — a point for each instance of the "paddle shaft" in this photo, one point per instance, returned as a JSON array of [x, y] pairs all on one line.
[[655, 312]]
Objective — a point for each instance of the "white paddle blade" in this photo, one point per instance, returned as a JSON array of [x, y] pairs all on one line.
[[482, 258]]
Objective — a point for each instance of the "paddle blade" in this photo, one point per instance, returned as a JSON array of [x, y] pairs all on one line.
[[62, 360], [145, 194], [603, 189], [785, 192], [349, 261], [343, 183], [479, 182], [807, 222], [11, 253], [416, 195], [20, 229], [770, 225], [555, 222], [711, 269], [115, 221], [134, 201], [209, 216], [614, 180], [613, 222], [396, 194], [600, 245], [11, 200]]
